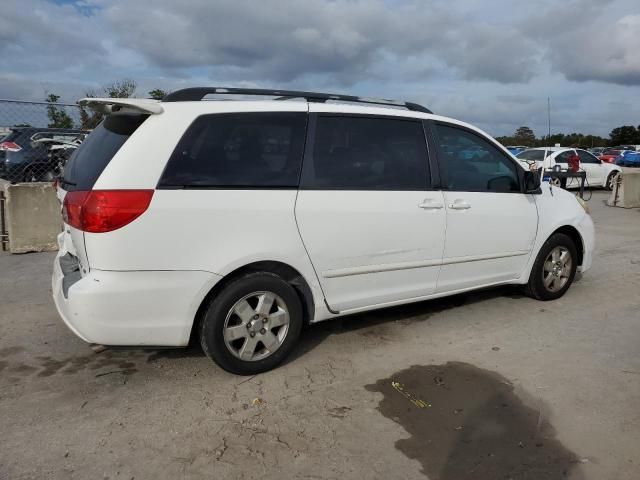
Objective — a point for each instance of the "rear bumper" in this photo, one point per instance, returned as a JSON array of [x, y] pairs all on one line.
[[154, 308]]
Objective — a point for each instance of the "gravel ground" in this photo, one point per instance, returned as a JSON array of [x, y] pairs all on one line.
[[485, 385]]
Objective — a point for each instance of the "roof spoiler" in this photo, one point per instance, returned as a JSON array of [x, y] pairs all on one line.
[[112, 105]]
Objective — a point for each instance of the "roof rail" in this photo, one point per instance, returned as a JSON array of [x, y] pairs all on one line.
[[198, 93]]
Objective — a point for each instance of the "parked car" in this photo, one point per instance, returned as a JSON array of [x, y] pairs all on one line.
[[599, 173], [628, 158], [597, 151], [168, 233], [609, 155], [536, 154], [26, 155]]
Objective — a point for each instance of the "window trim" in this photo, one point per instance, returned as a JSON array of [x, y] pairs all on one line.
[[308, 161], [159, 186], [500, 148]]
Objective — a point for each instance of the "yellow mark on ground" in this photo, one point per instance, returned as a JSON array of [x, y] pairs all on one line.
[[416, 401]]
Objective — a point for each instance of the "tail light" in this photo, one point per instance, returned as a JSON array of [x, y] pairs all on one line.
[[100, 211], [10, 147]]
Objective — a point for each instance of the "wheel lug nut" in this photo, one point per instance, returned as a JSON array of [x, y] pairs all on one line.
[[264, 320], [256, 316], [253, 334], [263, 331]]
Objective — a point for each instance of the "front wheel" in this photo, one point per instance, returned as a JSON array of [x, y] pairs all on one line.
[[611, 180], [252, 324], [554, 268], [556, 182]]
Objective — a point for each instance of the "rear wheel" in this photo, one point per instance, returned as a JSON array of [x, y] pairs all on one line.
[[252, 324], [554, 268]]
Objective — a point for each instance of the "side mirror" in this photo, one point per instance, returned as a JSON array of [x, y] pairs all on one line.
[[532, 182]]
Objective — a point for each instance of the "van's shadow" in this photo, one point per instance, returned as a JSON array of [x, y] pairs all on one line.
[[315, 334]]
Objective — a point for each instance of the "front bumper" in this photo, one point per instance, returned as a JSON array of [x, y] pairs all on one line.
[[154, 308], [587, 232]]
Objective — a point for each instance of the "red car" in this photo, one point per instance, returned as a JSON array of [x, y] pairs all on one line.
[[610, 155]]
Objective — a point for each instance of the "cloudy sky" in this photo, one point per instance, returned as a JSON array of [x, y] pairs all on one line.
[[491, 63]]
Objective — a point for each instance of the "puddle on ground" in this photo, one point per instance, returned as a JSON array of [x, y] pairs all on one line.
[[467, 423]]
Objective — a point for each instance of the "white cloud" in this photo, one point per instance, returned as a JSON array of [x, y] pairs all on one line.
[[489, 63]]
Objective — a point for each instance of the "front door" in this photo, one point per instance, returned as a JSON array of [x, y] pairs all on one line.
[[491, 224], [371, 226], [593, 168]]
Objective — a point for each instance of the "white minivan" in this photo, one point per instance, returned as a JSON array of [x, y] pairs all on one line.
[[236, 222]]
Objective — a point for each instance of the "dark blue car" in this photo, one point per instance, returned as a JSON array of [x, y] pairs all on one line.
[[26, 154]]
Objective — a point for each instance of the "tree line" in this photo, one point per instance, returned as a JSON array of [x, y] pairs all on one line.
[[624, 135], [89, 119]]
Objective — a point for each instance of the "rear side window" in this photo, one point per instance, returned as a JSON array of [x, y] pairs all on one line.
[[367, 153], [564, 156], [240, 150], [94, 154], [470, 163]]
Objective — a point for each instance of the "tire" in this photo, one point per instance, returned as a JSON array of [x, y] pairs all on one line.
[[611, 179], [559, 273], [31, 176], [556, 182], [252, 309]]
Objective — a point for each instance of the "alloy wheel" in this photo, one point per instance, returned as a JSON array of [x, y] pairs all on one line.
[[256, 326], [557, 269]]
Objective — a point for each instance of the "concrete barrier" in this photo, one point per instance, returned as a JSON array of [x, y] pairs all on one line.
[[626, 192], [32, 217]]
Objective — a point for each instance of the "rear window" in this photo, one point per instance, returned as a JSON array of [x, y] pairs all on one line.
[[94, 154], [240, 150]]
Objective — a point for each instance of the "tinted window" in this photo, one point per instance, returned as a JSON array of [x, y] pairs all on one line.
[[239, 150], [94, 154], [586, 157], [563, 157], [471, 163], [367, 153], [531, 155]]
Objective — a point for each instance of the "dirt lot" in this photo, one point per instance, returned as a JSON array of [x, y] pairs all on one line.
[[486, 385]]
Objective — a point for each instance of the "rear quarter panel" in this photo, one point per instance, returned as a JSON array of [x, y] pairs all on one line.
[[210, 230]]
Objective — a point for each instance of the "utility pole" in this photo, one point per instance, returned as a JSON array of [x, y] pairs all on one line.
[[549, 117]]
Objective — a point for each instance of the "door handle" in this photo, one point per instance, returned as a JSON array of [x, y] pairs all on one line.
[[430, 205], [459, 204]]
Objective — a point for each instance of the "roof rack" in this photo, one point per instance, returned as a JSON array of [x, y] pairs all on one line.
[[198, 93]]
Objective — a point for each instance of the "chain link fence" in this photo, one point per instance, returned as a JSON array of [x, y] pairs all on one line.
[[37, 138]]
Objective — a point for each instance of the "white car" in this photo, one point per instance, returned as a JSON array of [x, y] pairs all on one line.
[[598, 172], [239, 221]]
